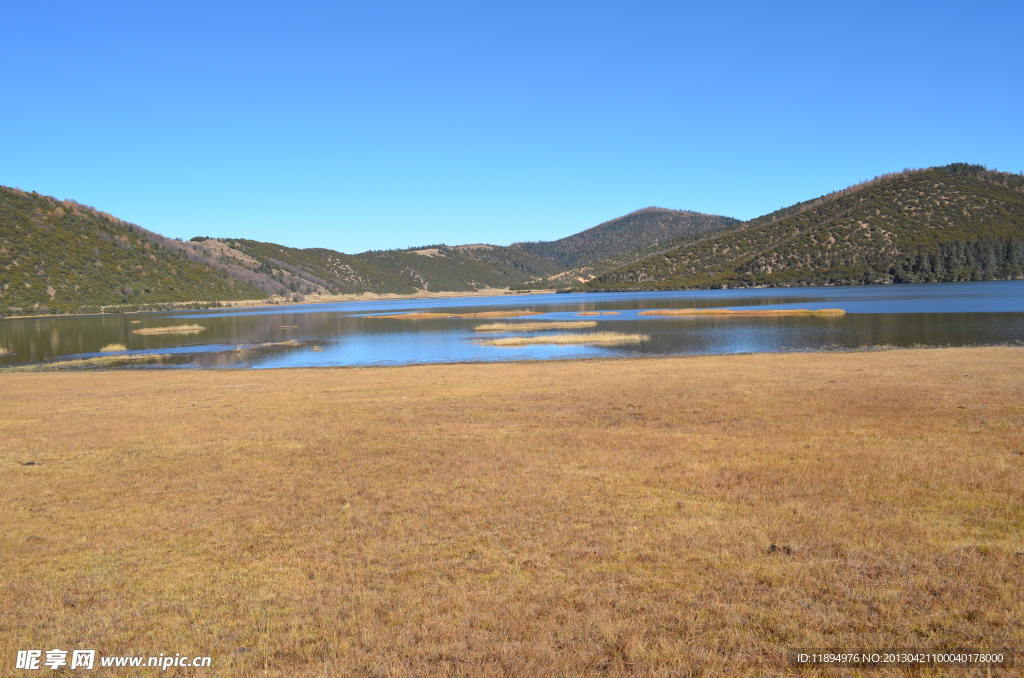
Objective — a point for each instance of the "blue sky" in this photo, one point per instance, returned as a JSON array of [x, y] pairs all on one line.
[[389, 124]]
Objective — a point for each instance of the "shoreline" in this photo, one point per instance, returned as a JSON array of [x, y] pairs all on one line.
[[487, 292], [310, 299], [53, 366]]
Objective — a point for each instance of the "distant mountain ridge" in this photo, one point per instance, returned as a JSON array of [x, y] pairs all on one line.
[[959, 222], [624, 234], [63, 257], [952, 223], [435, 268]]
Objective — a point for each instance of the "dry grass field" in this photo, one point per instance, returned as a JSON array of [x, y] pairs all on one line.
[[656, 517], [744, 312], [602, 338], [434, 316], [171, 329], [532, 327]]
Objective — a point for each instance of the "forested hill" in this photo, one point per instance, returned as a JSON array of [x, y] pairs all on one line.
[[464, 268], [636, 230], [62, 257], [958, 222]]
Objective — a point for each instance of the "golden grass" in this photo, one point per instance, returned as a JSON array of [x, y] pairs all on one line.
[[484, 314], [745, 312], [113, 347], [576, 518], [530, 327], [603, 338], [172, 329], [598, 313], [4, 351]]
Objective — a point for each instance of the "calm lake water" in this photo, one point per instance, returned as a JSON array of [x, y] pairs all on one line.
[[949, 314]]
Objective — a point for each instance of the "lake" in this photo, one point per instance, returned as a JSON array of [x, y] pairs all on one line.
[[348, 334]]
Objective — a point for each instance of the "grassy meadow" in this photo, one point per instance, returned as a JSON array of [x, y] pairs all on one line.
[[650, 517]]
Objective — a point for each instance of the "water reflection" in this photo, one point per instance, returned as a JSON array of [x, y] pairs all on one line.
[[954, 314]]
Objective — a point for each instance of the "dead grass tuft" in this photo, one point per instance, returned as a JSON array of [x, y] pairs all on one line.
[[172, 329], [4, 351], [598, 313], [744, 312], [113, 347], [603, 338], [530, 327], [484, 314]]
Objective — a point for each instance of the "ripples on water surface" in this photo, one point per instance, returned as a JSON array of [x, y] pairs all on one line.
[[949, 314]]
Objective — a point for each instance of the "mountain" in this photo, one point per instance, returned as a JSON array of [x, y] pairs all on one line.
[[635, 230], [958, 222], [464, 268], [63, 257]]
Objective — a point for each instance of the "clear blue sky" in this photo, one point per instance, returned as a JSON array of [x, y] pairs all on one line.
[[376, 125]]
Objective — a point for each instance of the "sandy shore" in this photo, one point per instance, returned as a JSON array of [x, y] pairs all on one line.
[[654, 517]]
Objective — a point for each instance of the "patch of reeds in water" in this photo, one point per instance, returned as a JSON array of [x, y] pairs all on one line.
[[598, 313], [602, 338], [266, 344], [172, 329], [744, 312], [431, 315], [530, 327], [110, 348], [101, 361]]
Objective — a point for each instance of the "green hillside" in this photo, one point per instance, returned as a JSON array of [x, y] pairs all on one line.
[[959, 222], [567, 280], [466, 268], [625, 234], [435, 268], [62, 257]]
